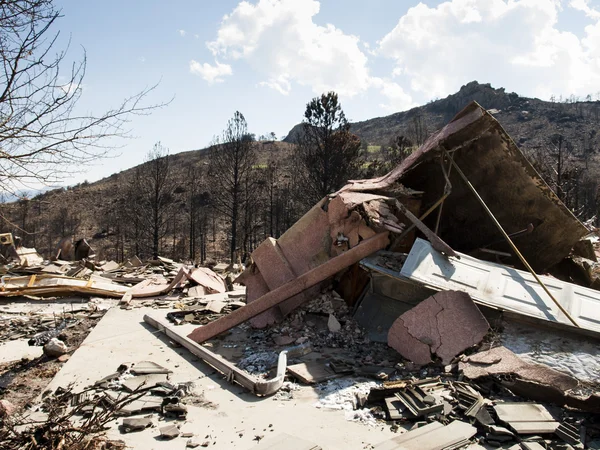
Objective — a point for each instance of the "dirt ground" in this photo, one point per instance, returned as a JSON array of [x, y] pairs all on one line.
[[22, 381]]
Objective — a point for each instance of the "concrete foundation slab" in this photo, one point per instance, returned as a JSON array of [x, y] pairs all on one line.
[[239, 417]]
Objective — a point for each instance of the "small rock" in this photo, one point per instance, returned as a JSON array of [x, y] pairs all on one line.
[[333, 324], [192, 443], [169, 432], [283, 340], [301, 340], [136, 424], [178, 410], [64, 358], [6, 408], [55, 348]]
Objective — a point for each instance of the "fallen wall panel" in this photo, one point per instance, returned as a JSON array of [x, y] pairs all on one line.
[[503, 287]]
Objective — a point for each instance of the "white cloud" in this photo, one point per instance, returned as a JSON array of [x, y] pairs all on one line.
[[181, 32], [280, 41], [142, 59], [512, 43], [398, 98], [281, 84], [584, 6], [210, 73]]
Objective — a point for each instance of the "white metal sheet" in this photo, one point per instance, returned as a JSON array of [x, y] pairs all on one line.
[[503, 287]]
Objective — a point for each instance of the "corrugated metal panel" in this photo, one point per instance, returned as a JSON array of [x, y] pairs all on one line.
[[503, 287]]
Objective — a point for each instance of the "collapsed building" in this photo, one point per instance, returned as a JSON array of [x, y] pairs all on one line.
[[456, 259]]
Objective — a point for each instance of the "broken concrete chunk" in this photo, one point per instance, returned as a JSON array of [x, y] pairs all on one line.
[[526, 418], [55, 348], [333, 324], [143, 382], [149, 367], [485, 358], [192, 442], [445, 324], [501, 360], [532, 381], [177, 410], [169, 432], [130, 425]]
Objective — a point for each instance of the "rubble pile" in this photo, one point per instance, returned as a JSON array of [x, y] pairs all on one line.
[[497, 417], [37, 278], [308, 330]]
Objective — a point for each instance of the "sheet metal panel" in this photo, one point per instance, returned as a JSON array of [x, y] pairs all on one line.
[[502, 287]]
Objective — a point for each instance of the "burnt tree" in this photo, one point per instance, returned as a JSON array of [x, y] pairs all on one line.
[[327, 154], [231, 159], [152, 189], [42, 137]]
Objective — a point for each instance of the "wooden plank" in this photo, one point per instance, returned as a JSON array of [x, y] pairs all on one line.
[[288, 290]]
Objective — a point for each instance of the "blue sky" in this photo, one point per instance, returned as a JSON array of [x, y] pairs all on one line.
[[268, 58]]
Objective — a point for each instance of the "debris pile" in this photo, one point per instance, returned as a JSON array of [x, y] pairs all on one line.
[[132, 279], [71, 421], [78, 419], [492, 414]]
